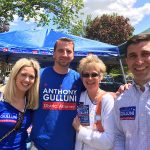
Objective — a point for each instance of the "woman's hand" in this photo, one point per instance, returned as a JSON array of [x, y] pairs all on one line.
[[76, 123], [122, 88]]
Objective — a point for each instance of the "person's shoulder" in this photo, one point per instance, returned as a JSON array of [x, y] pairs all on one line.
[[1, 96], [109, 94], [84, 93], [45, 70], [3, 105], [108, 97], [124, 98], [74, 73], [83, 96], [126, 93], [1, 102]]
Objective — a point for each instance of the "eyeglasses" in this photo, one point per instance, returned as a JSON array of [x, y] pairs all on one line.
[[92, 75]]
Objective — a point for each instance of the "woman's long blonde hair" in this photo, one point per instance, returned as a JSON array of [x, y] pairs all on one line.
[[32, 94]]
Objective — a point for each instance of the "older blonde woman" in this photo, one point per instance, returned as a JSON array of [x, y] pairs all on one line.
[[98, 135], [20, 97]]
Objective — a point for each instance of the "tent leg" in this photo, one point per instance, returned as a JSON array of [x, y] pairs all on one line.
[[125, 81]]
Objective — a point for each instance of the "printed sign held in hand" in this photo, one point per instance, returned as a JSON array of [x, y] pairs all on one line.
[[83, 114]]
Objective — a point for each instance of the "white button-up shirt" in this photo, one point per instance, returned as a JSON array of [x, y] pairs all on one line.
[[132, 119]]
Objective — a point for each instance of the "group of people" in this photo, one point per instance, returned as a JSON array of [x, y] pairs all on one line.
[[49, 100]]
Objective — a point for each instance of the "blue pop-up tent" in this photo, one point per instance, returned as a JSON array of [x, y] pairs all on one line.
[[16, 44], [83, 46], [41, 42]]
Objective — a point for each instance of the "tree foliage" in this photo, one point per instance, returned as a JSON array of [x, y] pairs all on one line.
[[112, 29], [79, 28], [61, 12], [4, 26]]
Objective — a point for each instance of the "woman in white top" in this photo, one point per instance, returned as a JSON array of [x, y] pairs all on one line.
[[99, 134]]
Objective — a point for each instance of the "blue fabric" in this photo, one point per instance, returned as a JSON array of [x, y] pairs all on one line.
[[83, 46], [42, 41], [8, 117], [52, 122]]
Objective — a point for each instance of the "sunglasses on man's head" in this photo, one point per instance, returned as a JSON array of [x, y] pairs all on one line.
[[92, 75]]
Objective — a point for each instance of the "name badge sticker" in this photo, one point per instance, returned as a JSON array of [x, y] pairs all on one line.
[[128, 113]]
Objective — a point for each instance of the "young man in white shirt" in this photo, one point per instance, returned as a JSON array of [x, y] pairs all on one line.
[[132, 108]]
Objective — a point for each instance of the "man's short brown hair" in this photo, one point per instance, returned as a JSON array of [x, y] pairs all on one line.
[[136, 39], [64, 39]]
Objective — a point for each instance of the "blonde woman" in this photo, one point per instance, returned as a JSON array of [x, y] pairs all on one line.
[[98, 135], [20, 98]]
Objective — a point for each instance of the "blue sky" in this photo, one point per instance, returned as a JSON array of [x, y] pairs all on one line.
[[144, 23], [138, 11]]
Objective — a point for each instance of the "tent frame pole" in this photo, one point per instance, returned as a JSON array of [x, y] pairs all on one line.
[[124, 77]]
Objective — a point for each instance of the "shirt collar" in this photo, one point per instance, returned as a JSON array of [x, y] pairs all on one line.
[[146, 85]]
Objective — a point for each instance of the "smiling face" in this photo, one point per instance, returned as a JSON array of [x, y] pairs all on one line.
[[25, 79], [63, 54], [91, 79], [138, 60]]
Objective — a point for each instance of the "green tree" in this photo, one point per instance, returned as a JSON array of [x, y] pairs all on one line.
[[60, 12], [111, 29], [79, 28], [4, 26]]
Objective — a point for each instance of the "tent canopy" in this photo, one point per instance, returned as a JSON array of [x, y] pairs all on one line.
[[83, 46], [40, 43]]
